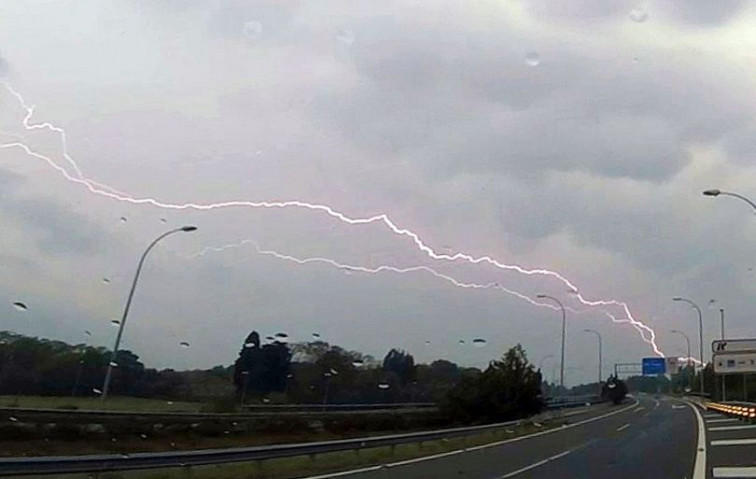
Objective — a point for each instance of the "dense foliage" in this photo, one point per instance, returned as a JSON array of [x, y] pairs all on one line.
[[507, 389]]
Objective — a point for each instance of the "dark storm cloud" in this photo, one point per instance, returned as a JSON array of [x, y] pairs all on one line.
[[57, 229], [460, 101]]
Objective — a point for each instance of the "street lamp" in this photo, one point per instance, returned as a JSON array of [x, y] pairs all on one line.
[[700, 336], [564, 330], [598, 335], [727, 193], [687, 342], [109, 373]]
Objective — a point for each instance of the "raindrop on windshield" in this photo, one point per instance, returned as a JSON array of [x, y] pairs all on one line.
[[105, 280], [115, 322], [249, 345], [143, 436], [88, 332], [163, 220], [533, 59], [427, 343], [383, 386], [96, 391], [20, 306], [252, 30], [461, 341], [315, 335], [479, 342], [358, 363], [345, 36], [266, 400], [638, 15], [270, 338], [170, 403], [184, 344], [334, 372], [113, 364], [125, 456], [123, 219], [13, 419]]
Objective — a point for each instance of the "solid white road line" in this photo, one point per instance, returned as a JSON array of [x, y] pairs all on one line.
[[717, 421], [733, 442], [484, 446], [622, 428], [699, 468], [537, 464], [732, 428], [734, 472], [639, 409]]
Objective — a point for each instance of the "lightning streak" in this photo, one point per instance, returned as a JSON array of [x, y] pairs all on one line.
[[108, 192]]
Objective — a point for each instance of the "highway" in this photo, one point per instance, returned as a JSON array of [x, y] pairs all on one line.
[[731, 446], [647, 438]]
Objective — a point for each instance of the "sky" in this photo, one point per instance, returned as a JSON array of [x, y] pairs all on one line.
[[569, 139]]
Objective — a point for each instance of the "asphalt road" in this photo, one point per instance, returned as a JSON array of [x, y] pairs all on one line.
[[653, 439], [731, 446]]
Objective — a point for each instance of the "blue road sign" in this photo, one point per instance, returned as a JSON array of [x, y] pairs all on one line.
[[654, 366]]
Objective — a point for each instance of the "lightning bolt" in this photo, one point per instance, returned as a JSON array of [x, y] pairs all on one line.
[[647, 334]]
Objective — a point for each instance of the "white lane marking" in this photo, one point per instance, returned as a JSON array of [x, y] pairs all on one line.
[[699, 468], [717, 421], [622, 428], [639, 409], [733, 442], [484, 446], [537, 464], [734, 472], [732, 428], [708, 416]]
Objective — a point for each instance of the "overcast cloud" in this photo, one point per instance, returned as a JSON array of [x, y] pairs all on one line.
[[575, 136]]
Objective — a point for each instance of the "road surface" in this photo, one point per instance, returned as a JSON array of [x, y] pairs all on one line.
[[731, 446], [649, 438]]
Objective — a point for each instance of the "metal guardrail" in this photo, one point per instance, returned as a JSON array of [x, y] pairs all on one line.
[[124, 462], [338, 407]]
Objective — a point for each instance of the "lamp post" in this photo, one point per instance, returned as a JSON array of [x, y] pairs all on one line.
[[700, 336], [598, 335], [564, 330], [687, 342], [109, 373]]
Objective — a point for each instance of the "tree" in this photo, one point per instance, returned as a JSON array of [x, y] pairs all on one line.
[[400, 363], [261, 369], [614, 390], [507, 389]]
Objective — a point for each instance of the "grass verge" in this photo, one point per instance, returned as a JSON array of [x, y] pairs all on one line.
[[114, 403]]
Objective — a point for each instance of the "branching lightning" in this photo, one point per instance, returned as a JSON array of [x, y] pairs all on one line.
[[77, 177]]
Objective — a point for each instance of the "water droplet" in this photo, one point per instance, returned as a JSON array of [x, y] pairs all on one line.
[[461, 341], [358, 363], [143, 436], [47, 439], [170, 403], [13, 419], [123, 219], [249, 345], [638, 15], [427, 343], [96, 391], [88, 332], [635, 60], [383, 386], [345, 36], [537, 424], [113, 364], [533, 59], [20, 306], [163, 220], [266, 400], [479, 342], [282, 335], [226, 432], [315, 335], [509, 431], [112, 439], [270, 338], [184, 344], [173, 444], [334, 372], [115, 322], [252, 30], [125, 456]]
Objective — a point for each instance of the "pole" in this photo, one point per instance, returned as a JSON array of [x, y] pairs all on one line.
[[700, 337], [113, 355], [721, 324], [564, 331]]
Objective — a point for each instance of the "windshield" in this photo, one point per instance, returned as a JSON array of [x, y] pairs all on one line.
[[251, 223]]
